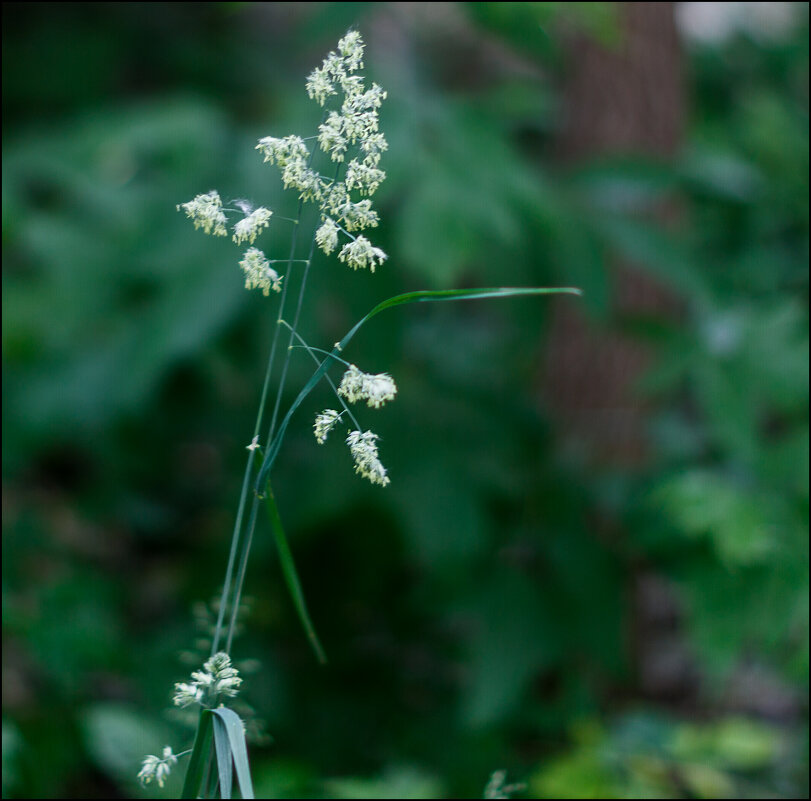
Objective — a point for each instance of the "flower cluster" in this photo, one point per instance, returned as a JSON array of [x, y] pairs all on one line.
[[326, 237], [217, 680], [375, 389], [361, 253], [258, 272], [251, 226], [354, 126], [205, 211], [497, 787], [363, 448], [324, 423], [157, 768], [356, 386]]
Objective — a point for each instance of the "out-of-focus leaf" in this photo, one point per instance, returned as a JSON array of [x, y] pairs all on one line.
[[648, 248], [118, 738], [516, 636], [447, 522], [703, 504], [396, 782], [12, 743], [721, 175], [736, 743]]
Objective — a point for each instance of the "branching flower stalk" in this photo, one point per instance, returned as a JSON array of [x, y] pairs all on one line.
[[349, 136]]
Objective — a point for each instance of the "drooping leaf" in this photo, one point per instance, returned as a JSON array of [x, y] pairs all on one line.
[[291, 575], [222, 748], [421, 296], [235, 731], [195, 773]]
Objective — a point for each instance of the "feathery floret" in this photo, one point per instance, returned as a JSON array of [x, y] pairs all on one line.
[[326, 237], [248, 228], [324, 423], [258, 272], [364, 451], [360, 254], [376, 389], [157, 768], [218, 679], [205, 211]]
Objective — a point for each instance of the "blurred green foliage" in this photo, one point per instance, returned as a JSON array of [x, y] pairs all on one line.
[[477, 612]]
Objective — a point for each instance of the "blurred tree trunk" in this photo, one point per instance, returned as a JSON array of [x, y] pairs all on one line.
[[626, 98]]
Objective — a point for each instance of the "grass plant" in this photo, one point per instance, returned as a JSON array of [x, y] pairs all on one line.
[[351, 147]]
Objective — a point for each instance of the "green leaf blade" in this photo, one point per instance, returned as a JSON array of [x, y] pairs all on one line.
[[291, 575], [195, 774], [224, 762], [235, 732], [419, 296]]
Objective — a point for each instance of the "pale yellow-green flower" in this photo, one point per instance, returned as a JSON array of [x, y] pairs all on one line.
[[205, 211], [324, 423], [375, 389], [217, 680], [326, 237], [157, 768], [248, 228], [258, 272], [360, 254], [363, 448]]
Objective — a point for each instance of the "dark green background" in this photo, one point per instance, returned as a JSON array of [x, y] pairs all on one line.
[[481, 612]]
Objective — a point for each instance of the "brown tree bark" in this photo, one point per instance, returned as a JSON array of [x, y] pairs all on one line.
[[627, 99], [622, 99]]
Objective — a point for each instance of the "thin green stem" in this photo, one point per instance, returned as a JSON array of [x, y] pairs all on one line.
[[229, 571], [326, 376], [343, 230], [321, 350], [242, 497], [240, 576], [243, 563]]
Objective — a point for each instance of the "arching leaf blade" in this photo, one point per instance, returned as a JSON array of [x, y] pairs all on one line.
[[222, 748], [290, 573], [239, 749], [420, 296], [195, 773]]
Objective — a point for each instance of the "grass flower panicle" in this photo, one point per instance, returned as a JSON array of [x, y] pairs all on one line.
[[258, 272], [360, 215], [349, 137], [205, 211], [373, 146], [498, 788], [360, 254], [250, 227], [337, 68], [351, 48], [217, 680], [331, 136], [376, 389], [364, 178], [187, 694], [326, 237], [363, 447], [156, 768], [324, 423], [288, 150], [351, 386]]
